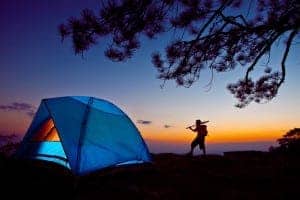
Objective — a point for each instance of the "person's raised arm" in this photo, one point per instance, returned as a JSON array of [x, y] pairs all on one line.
[[192, 129]]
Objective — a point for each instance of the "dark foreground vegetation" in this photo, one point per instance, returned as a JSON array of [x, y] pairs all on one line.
[[170, 176]]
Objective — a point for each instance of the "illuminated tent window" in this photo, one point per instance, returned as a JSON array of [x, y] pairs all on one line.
[[46, 132], [46, 145]]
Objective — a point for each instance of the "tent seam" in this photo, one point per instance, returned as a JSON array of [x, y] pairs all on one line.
[[82, 130], [58, 133]]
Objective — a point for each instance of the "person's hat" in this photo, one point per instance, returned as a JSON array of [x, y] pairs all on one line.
[[201, 122]]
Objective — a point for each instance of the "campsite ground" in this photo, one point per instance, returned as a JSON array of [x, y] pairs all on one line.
[[171, 176]]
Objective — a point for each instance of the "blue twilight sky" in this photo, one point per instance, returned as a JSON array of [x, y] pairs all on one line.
[[35, 65]]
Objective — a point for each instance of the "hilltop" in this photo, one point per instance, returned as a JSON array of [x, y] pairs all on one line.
[[170, 176]]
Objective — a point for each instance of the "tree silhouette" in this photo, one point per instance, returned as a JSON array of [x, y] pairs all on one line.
[[290, 142], [217, 35], [8, 144]]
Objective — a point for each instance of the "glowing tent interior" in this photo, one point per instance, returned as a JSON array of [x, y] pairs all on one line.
[[84, 134]]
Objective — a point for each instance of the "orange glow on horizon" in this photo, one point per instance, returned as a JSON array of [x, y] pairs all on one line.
[[216, 135], [218, 131]]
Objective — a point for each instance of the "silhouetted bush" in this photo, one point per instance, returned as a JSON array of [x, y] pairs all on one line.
[[8, 144], [289, 143]]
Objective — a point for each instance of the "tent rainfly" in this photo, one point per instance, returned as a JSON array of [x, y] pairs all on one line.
[[84, 134]]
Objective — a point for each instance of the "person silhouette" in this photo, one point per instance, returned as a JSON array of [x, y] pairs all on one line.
[[201, 130]]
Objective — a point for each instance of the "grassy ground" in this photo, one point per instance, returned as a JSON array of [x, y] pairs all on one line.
[[169, 177]]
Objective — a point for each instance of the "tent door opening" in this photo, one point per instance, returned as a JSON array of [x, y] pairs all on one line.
[[46, 144]]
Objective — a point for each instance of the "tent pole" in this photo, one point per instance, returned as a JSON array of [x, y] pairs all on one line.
[[82, 131]]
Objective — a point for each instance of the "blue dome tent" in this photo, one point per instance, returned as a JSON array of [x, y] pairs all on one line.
[[84, 134]]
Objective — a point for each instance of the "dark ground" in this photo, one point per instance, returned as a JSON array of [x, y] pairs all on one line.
[[169, 177]]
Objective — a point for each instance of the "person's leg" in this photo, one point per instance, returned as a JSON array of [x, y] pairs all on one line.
[[193, 145], [202, 146], [204, 150]]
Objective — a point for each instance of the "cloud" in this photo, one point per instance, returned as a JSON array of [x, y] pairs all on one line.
[[167, 126], [27, 108], [30, 113], [144, 122]]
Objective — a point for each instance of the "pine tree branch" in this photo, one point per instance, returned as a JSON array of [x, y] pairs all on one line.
[[264, 50], [286, 52]]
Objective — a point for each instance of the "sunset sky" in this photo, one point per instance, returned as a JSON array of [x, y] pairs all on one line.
[[36, 65]]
